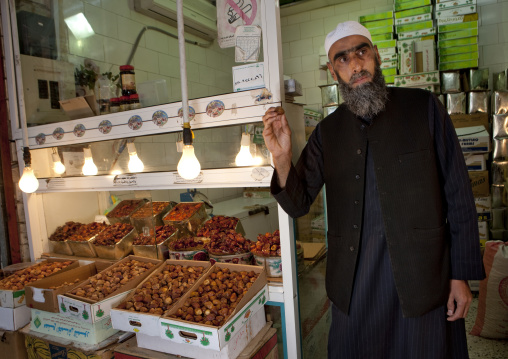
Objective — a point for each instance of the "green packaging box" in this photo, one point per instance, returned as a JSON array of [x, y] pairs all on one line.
[[390, 79], [457, 19], [388, 57], [381, 30], [418, 79], [458, 42], [458, 49], [411, 4], [452, 4], [389, 64], [387, 51], [458, 34], [458, 26], [389, 72], [377, 16], [413, 12], [463, 10], [414, 34], [403, 45], [459, 57], [413, 19], [414, 27], [378, 23], [382, 37], [385, 44], [458, 65]]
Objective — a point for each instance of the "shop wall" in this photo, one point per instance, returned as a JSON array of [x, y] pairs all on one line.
[[303, 36]]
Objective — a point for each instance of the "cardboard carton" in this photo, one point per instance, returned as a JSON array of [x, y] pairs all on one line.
[[13, 342], [473, 139], [476, 119], [480, 183], [14, 318]]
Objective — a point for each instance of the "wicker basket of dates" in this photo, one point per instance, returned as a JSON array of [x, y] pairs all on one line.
[[19, 279], [58, 240], [151, 246], [216, 298], [228, 246], [267, 253], [189, 248], [123, 210], [219, 223], [163, 288], [150, 215], [187, 217], [80, 241], [115, 241]]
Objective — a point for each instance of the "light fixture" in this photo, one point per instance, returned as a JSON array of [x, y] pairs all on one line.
[[135, 164], [188, 166], [244, 157], [79, 26], [58, 166], [89, 168], [116, 170], [28, 183]]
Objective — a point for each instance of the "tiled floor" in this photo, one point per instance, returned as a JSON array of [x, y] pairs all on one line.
[[482, 348]]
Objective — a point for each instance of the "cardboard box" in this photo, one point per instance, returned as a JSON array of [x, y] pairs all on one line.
[[413, 12], [425, 56], [263, 346], [413, 19], [459, 57], [442, 5], [398, 6], [381, 30], [387, 51], [457, 49], [13, 342], [475, 119], [389, 64], [147, 323], [414, 26], [476, 162], [14, 318], [458, 42], [462, 10], [90, 311], [378, 23], [480, 183], [418, 79], [389, 57], [483, 204], [237, 343], [39, 296], [474, 139], [385, 44], [382, 37], [483, 231], [457, 34], [416, 34], [216, 338], [457, 65], [16, 298], [460, 26], [389, 72], [376, 16], [80, 107], [457, 19], [75, 329]]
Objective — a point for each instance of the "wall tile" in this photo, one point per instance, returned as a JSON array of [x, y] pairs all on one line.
[[347, 7], [156, 41], [198, 90], [503, 32], [292, 65], [313, 95], [193, 72], [307, 79], [196, 54], [370, 5], [290, 33], [490, 14], [147, 60], [102, 22], [330, 23], [488, 34], [310, 62], [91, 47], [206, 75], [129, 30], [318, 44], [285, 50], [301, 47], [495, 54], [321, 78], [485, 2], [383, 8], [119, 7], [169, 66], [298, 18], [312, 29], [322, 12]]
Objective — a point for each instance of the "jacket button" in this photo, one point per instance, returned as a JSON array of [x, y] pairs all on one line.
[[358, 151], [357, 176], [352, 249], [356, 202], [355, 226]]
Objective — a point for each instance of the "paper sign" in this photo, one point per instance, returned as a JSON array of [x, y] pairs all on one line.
[[247, 39], [248, 77], [56, 183], [73, 162], [234, 13], [180, 179], [126, 180]]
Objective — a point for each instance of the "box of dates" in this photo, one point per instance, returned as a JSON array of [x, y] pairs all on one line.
[[150, 214], [43, 294], [150, 246], [123, 210], [156, 295], [93, 299], [217, 308], [12, 288], [80, 240], [114, 242], [187, 217]]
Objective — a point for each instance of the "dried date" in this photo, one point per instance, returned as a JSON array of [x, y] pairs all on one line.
[[183, 211], [87, 231], [112, 234], [217, 223], [227, 242], [150, 209], [162, 233], [267, 245], [64, 284], [19, 279], [186, 243], [125, 208], [62, 233]]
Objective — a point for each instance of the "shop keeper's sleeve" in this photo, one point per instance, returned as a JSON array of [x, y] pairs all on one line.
[[305, 180], [466, 260]]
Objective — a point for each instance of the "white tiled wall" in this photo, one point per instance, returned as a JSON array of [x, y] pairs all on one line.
[[303, 36]]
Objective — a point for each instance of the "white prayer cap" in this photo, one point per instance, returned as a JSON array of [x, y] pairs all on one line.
[[345, 29]]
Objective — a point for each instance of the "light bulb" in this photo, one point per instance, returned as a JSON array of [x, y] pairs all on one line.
[[116, 170], [58, 166], [189, 166], [89, 168], [244, 157], [28, 183], [135, 164]]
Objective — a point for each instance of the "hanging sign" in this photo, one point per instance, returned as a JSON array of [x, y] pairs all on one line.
[[234, 13], [247, 40], [248, 77]]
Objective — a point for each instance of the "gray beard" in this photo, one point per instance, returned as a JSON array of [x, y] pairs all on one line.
[[368, 99]]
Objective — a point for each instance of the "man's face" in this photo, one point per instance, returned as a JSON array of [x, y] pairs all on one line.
[[354, 59]]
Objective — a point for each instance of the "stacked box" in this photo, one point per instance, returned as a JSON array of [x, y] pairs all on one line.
[[381, 26], [457, 36], [413, 19]]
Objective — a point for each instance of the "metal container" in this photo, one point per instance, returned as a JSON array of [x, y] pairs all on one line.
[[499, 170], [118, 250], [156, 251], [500, 149], [498, 195], [83, 248], [60, 247], [191, 224], [500, 126], [272, 265], [456, 103], [195, 255], [328, 110], [330, 95], [500, 102], [478, 102], [450, 82], [499, 81], [112, 216], [150, 221], [240, 258], [499, 235], [499, 218], [479, 79]]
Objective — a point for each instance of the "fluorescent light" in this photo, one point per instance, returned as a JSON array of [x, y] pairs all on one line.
[[79, 26]]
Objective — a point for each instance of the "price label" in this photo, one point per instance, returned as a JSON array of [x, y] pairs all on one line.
[[56, 183], [125, 180], [180, 179]]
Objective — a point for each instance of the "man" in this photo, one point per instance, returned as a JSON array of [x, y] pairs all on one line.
[[402, 225]]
